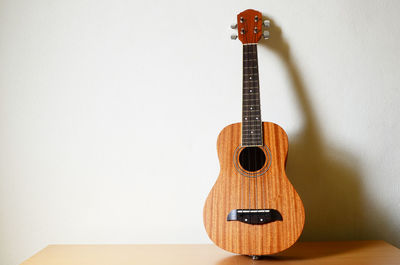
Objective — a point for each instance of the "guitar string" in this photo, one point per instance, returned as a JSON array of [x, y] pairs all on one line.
[[242, 179], [259, 123], [247, 127], [249, 65], [249, 117], [252, 66], [258, 111], [250, 53], [252, 104], [254, 60], [251, 129]]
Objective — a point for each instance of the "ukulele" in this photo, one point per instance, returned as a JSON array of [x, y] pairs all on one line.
[[253, 209]]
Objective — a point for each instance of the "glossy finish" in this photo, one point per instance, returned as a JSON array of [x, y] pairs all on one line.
[[303, 253], [249, 25], [271, 190]]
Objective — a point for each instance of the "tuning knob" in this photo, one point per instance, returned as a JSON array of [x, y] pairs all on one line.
[[233, 26], [267, 23], [233, 36], [265, 34]]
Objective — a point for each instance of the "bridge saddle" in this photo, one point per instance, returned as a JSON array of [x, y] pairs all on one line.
[[254, 216]]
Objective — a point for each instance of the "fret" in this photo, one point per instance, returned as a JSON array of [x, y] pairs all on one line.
[[250, 125], [256, 99], [251, 74], [254, 139], [256, 122], [248, 71], [252, 143], [250, 93], [254, 133], [249, 63], [249, 97], [252, 130], [253, 126], [253, 136]]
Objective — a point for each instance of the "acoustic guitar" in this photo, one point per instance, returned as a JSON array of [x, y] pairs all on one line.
[[253, 209]]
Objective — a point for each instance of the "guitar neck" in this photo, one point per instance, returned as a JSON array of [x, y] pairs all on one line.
[[251, 113]]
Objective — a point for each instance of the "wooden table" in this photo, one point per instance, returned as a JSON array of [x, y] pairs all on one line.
[[310, 253]]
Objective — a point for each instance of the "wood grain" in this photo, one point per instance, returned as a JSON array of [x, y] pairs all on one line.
[[231, 191], [302, 253]]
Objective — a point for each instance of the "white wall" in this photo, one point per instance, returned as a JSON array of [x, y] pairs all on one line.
[[110, 110]]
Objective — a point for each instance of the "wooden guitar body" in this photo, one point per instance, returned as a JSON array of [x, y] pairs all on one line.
[[267, 188], [252, 208]]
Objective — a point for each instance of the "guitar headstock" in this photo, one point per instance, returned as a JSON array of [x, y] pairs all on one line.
[[249, 26]]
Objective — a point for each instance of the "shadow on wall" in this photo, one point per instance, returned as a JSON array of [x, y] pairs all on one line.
[[327, 180]]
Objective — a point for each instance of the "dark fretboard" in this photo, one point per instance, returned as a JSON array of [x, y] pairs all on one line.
[[251, 113]]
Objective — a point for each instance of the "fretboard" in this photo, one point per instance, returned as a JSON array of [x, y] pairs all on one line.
[[251, 114]]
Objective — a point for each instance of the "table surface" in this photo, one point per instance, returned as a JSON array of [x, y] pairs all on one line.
[[310, 253]]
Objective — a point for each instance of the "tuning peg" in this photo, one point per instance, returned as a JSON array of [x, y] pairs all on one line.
[[266, 34], [267, 23], [233, 26], [233, 36]]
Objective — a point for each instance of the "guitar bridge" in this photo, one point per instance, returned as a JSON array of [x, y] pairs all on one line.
[[255, 216]]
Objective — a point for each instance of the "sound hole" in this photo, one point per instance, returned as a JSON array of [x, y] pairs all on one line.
[[252, 158]]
